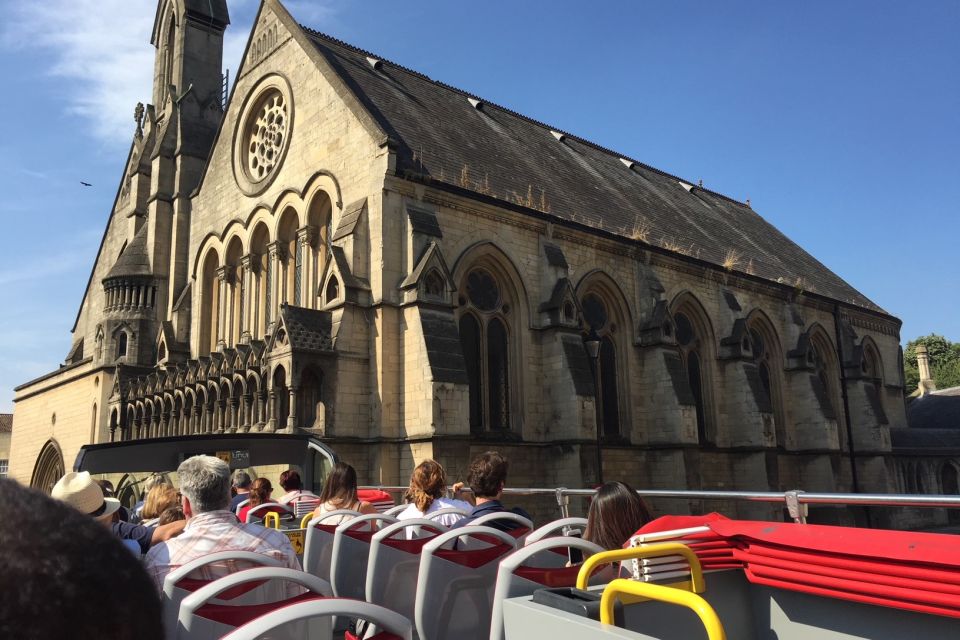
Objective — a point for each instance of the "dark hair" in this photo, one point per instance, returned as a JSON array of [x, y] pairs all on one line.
[[488, 473], [290, 480], [171, 514], [615, 514], [427, 483], [260, 492], [76, 580], [340, 486]]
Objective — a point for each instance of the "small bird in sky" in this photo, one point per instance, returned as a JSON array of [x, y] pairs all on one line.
[[86, 184]]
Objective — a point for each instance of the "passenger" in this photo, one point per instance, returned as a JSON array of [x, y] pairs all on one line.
[[259, 494], [205, 489], [240, 482], [172, 514], [340, 492], [425, 495], [487, 477], [108, 492], [302, 501], [153, 480], [65, 576], [615, 514], [83, 494], [159, 499]]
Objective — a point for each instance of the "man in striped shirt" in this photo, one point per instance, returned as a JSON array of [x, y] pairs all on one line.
[[211, 527]]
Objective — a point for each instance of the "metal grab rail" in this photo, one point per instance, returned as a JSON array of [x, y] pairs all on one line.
[[656, 550], [619, 587], [795, 501]]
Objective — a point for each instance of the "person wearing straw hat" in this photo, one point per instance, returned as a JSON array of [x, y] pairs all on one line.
[[81, 492]]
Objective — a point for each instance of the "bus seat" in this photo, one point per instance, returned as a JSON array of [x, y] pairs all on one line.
[[521, 526], [381, 500], [319, 544], [258, 512], [186, 579], [534, 567], [391, 625], [393, 512], [350, 552], [446, 511], [240, 506], [557, 528], [203, 617], [394, 563], [456, 581]]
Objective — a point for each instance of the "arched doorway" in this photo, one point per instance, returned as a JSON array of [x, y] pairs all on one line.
[[49, 467]]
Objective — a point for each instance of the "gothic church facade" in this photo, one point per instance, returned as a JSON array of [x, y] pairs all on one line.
[[350, 248]]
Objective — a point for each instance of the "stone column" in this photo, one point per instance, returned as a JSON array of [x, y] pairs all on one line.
[[223, 277], [246, 401], [305, 263], [247, 299], [292, 416], [274, 282], [271, 423], [923, 366]]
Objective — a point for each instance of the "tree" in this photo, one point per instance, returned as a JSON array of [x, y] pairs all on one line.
[[944, 357]]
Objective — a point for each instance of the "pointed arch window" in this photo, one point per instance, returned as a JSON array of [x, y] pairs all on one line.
[[598, 323], [122, 344], [765, 353], [485, 340], [690, 351], [822, 379]]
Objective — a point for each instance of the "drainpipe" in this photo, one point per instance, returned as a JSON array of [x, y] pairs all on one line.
[[846, 409], [846, 401]]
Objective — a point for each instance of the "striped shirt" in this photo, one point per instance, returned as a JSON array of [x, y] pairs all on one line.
[[216, 531]]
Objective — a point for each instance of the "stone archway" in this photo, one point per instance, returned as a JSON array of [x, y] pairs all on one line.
[[49, 467]]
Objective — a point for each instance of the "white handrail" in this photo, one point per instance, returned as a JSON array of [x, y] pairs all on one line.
[[789, 499]]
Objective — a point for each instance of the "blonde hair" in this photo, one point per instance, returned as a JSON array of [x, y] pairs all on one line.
[[427, 483], [159, 499]]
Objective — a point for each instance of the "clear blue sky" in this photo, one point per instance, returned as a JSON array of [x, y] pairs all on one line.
[[840, 121]]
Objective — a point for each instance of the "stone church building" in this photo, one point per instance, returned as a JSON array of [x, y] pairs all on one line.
[[348, 247]]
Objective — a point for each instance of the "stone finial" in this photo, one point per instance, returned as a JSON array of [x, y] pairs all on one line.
[[923, 365], [138, 112]]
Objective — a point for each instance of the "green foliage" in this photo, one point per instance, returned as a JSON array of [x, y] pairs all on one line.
[[944, 359]]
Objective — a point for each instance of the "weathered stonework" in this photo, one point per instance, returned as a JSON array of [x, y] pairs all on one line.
[[331, 293]]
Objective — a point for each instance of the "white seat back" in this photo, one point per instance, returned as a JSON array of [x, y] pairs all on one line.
[[351, 550], [393, 512], [458, 571], [385, 621], [535, 567], [241, 505], [258, 512], [319, 544], [557, 528], [519, 526], [446, 511], [394, 563], [202, 617], [184, 580]]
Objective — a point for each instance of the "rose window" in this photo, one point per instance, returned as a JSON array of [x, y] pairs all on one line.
[[268, 135]]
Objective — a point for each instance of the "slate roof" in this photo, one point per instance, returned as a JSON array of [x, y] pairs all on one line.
[[6, 422], [134, 261], [499, 153], [307, 329], [936, 410]]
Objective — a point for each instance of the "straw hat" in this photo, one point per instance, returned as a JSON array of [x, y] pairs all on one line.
[[83, 494]]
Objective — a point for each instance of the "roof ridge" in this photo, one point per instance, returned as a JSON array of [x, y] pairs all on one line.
[[539, 123]]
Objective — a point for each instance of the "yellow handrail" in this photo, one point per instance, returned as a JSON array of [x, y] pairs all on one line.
[[274, 517], [711, 622], [306, 520], [646, 551]]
